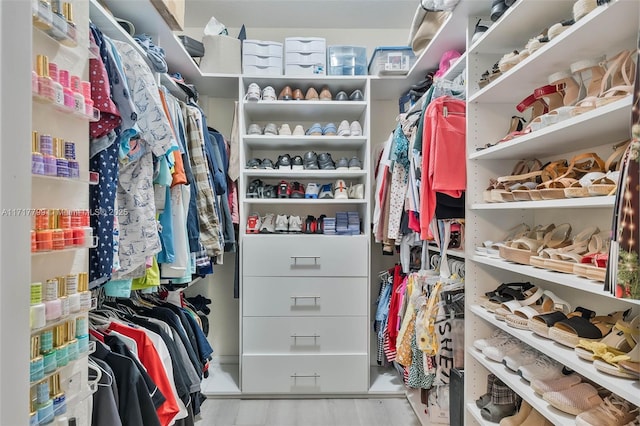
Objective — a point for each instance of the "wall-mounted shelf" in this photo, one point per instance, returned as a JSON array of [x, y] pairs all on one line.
[[573, 203]]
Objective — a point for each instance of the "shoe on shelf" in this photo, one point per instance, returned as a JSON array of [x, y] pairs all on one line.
[[504, 348], [268, 224], [297, 95], [253, 223], [266, 164], [542, 386], [253, 92], [320, 224], [356, 191], [340, 192], [479, 30], [254, 190], [356, 95], [284, 189], [254, 163], [312, 95], [526, 355], [310, 161], [284, 162], [329, 130], [356, 128], [313, 189], [613, 411], [286, 94], [325, 94], [310, 225], [342, 96], [295, 224], [342, 164], [355, 164], [269, 191], [271, 129], [297, 190], [574, 400], [284, 130], [344, 129], [282, 223], [518, 418], [543, 368], [326, 191], [314, 130], [498, 7], [269, 94], [325, 162], [254, 129], [297, 163], [496, 337], [298, 130]]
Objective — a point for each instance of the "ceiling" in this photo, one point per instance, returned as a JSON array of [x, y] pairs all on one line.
[[302, 13]]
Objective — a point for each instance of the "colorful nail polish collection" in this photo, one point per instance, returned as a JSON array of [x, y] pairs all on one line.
[[57, 86], [55, 18], [58, 298], [53, 157]]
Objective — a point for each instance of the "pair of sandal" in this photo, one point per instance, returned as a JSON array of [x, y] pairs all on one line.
[[571, 331], [492, 248], [541, 237], [506, 292]]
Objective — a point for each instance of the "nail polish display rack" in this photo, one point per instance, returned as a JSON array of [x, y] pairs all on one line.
[[488, 112]]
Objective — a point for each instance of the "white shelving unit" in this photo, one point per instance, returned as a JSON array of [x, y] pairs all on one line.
[[488, 112]]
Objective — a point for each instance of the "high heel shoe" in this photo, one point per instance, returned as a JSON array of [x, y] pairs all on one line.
[[619, 78], [597, 72], [573, 91], [538, 107], [552, 93]]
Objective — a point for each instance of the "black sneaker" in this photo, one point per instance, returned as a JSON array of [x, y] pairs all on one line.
[[255, 188], [325, 162], [297, 190], [254, 163], [266, 164], [311, 161], [269, 191], [284, 162], [310, 225], [297, 163], [320, 224], [284, 189]]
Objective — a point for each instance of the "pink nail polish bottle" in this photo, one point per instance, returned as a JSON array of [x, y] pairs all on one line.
[[78, 98], [45, 89], [58, 92], [88, 102], [69, 100]]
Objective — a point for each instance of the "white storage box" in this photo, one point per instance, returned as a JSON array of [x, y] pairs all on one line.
[[261, 70], [262, 61], [221, 55], [302, 69], [262, 48], [306, 58], [305, 44]]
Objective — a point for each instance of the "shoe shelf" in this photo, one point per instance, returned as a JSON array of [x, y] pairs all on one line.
[[305, 110], [475, 412], [304, 142], [334, 82], [303, 201], [582, 132], [625, 388], [566, 280], [574, 203], [583, 40], [306, 174], [522, 388], [450, 252]]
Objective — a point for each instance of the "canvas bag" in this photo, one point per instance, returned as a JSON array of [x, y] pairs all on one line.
[[425, 25]]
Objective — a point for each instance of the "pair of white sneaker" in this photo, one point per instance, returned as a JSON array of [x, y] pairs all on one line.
[[346, 129], [272, 223], [255, 94]]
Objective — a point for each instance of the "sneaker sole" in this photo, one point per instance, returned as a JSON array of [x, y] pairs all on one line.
[[314, 196], [297, 168], [355, 168], [284, 167], [342, 168]]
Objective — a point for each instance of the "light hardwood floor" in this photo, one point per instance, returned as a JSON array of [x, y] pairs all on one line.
[[307, 412]]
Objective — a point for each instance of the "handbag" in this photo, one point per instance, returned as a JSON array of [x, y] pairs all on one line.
[[426, 24]]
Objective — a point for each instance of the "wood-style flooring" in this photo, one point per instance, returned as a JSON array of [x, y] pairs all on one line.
[[307, 412]]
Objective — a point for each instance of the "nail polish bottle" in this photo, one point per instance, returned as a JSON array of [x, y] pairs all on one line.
[[61, 348], [88, 102], [37, 160], [58, 30], [83, 289], [41, 13], [36, 366], [69, 101], [34, 83], [62, 295], [45, 413], [58, 93], [62, 165], [73, 342], [46, 148], [57, 234], [78, 97], [33, 411], [45, 89], [72, 38], [53, 306], [74, 165], [42, 392], [57, 396], [72, 294]]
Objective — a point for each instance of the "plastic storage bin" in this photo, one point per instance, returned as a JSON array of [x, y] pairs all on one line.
[[305, 56], [390, 60], [347, 60], [261, 57], [259, 70], [305, 44], [262, 48], [302, 69]]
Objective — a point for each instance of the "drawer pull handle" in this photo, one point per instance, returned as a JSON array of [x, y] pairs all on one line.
[[295, 299], [315, 338], [295, 260], [314, 376]]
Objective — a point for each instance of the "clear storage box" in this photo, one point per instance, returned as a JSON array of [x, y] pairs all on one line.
[[347, 60], [391, 60]]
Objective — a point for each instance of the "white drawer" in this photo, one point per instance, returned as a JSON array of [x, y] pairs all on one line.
[[262, 61], [308, 297], [262, 48], [260, 70], [309, 335], [312, 58], [305, 255], [312, 69], [304, 374], [305, 44]]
